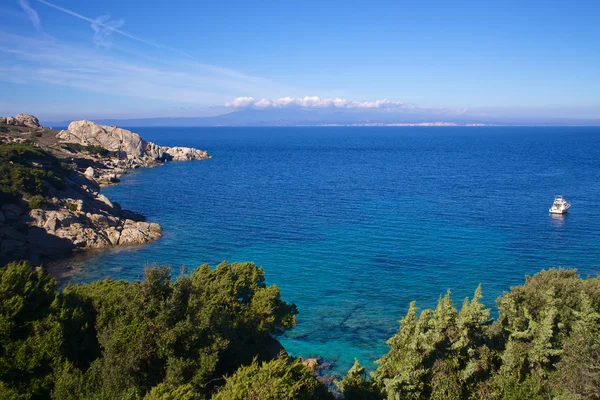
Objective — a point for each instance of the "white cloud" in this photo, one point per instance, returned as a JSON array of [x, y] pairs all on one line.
[[262, 103], [284, 102], [240, 102], [340, 103], [314, 102]]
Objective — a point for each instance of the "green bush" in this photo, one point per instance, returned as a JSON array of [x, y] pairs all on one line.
[[35, 202], [357, 386], [280, 379], [72, 207]]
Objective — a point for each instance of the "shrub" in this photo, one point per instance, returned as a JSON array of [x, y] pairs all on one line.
[[72, 207], [280, 379], [36, 202]]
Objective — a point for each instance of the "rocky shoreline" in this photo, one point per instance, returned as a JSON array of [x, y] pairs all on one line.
[[77, 216]]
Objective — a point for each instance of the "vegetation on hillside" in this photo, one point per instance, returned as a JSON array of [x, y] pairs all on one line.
[[208, 334], [544, 345], [90, 149], [116, 339], [27, 171]]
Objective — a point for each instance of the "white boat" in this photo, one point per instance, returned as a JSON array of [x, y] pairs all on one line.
[[560, 205]]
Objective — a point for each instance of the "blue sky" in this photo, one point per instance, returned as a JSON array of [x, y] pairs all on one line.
[[68, 59]]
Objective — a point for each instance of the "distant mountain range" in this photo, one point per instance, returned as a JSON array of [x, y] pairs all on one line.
[[328, 116]]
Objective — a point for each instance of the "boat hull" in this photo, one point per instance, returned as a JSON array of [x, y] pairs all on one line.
[[559, 211]]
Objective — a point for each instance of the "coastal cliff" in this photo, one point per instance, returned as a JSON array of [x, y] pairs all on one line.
[[50, 186], [130, 146]]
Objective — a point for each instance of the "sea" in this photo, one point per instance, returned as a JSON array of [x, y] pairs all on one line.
[[354, 223]]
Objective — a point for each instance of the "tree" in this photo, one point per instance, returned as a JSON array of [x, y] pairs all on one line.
[[442, 354], [116, 339], [279, 379], [578, 372], [31, 335], [357, 386]]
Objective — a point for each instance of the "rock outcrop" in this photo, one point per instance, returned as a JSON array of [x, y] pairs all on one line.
[[128, 145], [24, 120], [311, 363], [78, 217]]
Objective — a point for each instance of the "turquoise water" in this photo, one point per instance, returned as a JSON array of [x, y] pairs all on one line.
[[354, 223]]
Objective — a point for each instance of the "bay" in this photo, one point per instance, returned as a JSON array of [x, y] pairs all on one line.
[[353, 223]]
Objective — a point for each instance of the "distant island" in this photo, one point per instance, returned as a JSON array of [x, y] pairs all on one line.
[[340, 117]]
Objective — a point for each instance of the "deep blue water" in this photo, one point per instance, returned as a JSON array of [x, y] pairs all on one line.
[[354, 223]]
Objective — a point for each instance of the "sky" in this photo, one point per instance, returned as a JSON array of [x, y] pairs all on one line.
[[73, 59]]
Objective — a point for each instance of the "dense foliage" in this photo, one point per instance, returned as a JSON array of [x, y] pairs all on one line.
[[116, 339], [207, 334], [544, 345], [28, 171], [279, 379]]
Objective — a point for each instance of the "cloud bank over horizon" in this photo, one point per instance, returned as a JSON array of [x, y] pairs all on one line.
[[314, 102]]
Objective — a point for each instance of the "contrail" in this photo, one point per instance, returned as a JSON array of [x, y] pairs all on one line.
[[112, 29], [33, 17]]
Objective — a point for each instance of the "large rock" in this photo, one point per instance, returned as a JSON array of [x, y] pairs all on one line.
[[127, 144], [113, 235], [139, 232], [103, 203], [184, 153], [52, 224], [89, 222], [27, 120], [311, 363]]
